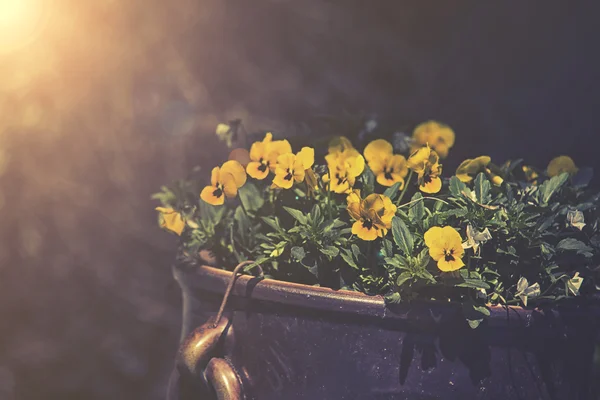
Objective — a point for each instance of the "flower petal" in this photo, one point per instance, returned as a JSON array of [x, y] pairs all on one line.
[[214, 176], [236, 170], [212, 195], [378, 149], [230, 186], [433, 186], [363, 233], [306, 156], [171, 220], [449, 266], [561, 164], [257, 170]]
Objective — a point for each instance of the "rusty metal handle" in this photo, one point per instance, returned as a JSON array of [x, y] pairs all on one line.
[[197, 357]]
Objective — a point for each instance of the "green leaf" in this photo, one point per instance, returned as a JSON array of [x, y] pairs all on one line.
[[482, 309], [347, 257], [403, 277], [330, 251], [356, 251], [392, 191], [368, 180], [387, 248], [244, 226], [297, 253], [570, 244], [423, 259], [392, 298], [251, 197], [210, 213], [550, 187], [482, 189], [457, 187], [272, 222], [402, 236], [416, 211], [316, 216], [297, 214], [474, 323]]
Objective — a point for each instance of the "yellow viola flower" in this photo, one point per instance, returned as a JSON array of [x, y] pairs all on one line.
[[263, 156], [438, 136], [445, 247], [292, 167], [224, 182], [530, 174], [344, 167], [372, 215], [388, 168], [469, 168], [171, 220], [425, 162], [561, 164], [339, 144]]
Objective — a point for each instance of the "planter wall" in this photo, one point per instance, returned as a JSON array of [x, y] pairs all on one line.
[[290, 341]]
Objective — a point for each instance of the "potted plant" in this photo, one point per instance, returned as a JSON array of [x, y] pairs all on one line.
[[370, 274]]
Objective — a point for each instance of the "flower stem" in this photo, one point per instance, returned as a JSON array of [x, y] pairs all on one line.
[[410, 174], [423, 198]]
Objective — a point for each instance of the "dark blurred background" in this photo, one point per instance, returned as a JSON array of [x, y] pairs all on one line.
[[103, 101]]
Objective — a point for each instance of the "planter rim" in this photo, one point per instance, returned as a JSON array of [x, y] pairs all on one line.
[[209, 279]]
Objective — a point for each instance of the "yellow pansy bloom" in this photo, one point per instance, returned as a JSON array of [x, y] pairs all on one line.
[[530, 174], [339, 144], [224, 182], [263, 156], [445, 247], [440, 137], [425, 162], [561, 164], [469, 168], [344, 167], [388, 168], [372, 215], [292, 167], [171, 220]]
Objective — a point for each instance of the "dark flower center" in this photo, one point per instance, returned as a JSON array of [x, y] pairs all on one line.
[[289, 175], [367, 224], [340, 179], [427, 178], [218, 192], [388, 173], [263, 167], [448, 255]]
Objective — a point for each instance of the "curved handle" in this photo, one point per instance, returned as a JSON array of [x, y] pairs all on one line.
[[199, 364], [224, 380], [197, 357]]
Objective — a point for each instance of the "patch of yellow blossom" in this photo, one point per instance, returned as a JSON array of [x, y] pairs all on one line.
[[372, 215], [425, 162], [388, 168], [469, 168], [445, 247], [438, 136], [224, 182]]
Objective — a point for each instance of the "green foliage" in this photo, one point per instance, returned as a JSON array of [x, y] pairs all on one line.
[[521, 244]]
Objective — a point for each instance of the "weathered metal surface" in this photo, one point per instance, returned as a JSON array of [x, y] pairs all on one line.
[[299, 342]]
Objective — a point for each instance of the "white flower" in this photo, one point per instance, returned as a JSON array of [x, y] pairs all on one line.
[[225, 133], [475, 238], [574, 284], [525, 291], [575, 219]]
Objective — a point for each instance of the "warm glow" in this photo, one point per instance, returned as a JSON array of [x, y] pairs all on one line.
[[19, 22]]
